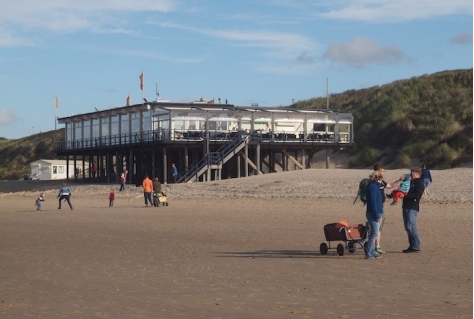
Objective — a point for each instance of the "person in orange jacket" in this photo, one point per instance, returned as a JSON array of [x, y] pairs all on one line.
[[147, 185]]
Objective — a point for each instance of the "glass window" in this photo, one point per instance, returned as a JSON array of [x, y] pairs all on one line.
[[87, 129], [125, 124], [135, 122], [105, 126], [77, 130], [69, 134], [146, 121], [95, 128], [114, 128]]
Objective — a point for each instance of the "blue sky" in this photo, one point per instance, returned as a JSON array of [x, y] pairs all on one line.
[[271, 52]]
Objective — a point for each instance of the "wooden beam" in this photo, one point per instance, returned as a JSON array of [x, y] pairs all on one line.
[[250, 163], [293, 159]]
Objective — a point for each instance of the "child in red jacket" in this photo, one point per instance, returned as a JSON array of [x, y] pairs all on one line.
[[111, 197]]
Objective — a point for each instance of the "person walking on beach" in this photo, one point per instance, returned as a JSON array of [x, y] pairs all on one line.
[[156, 191], [410, 210], [373, 213], [111, 197], [147, 185], [378, 167], [94, 170], [64, 193], [38, 202], [174, 173], [122, 180], [426, 178]]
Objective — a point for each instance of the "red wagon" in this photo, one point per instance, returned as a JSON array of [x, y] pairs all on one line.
[[351, 235]]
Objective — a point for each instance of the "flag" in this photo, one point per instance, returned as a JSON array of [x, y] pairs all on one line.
[[128, 100], [56, 101], [211, 102], [141, 81]]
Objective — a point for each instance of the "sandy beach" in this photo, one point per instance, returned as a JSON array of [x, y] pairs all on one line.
[[237, 248]]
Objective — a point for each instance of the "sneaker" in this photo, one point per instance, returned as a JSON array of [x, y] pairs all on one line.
[[411, 250], [379, 250], [393, 203], [373, 257], [389, 195]]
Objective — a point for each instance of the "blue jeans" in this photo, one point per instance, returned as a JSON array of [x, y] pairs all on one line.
[[409, 220], [374, 232]]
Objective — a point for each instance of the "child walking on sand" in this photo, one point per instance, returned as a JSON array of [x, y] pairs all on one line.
[[38, 202], [111, 197]]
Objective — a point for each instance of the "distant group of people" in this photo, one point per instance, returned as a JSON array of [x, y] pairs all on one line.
[[411, 188]]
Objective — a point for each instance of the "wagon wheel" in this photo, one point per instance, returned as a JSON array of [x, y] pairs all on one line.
[[351, 247], [323, 248], [340, 250]]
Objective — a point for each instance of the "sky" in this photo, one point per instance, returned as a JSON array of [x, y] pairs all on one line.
[[90, 53]]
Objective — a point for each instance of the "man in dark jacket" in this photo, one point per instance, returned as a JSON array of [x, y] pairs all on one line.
[[410, 208]]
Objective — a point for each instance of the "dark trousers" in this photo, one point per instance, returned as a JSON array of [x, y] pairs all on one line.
[[66, 197]]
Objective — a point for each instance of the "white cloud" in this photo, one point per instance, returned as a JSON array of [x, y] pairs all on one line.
[[281, 45], [7, 117], [399, 10], [462, 38], [360, 52], [7, 40], [73, 15]]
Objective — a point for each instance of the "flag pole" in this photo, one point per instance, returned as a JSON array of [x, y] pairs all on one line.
[[143, 86], [56, 102], [55, 111]]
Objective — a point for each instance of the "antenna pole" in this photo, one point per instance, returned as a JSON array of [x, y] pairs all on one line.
[[327, 106], [327, 93]]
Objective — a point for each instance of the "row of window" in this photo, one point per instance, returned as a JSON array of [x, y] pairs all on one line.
[[151, 120]]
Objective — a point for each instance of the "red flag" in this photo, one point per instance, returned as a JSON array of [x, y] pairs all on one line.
[[141, 81], [128, 100], [56, 101], [211, 102]]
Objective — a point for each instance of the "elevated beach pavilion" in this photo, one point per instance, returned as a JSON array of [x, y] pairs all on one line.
[[205, 141]]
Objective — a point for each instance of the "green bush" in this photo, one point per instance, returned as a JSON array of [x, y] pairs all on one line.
[[402, 160], [368, 157]]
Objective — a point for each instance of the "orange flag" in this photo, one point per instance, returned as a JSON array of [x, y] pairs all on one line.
[[128, 100], [141, 81], [56, 101]]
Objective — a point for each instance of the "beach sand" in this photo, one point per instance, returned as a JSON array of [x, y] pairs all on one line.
[[239, 248]]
